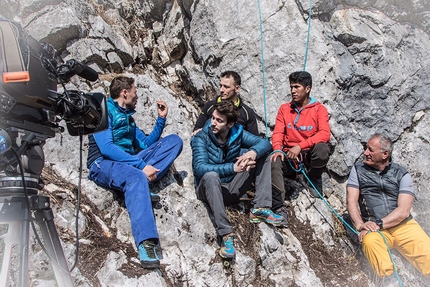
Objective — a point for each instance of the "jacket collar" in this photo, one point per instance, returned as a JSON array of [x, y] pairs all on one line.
[[234, 133], [237, 103], [117, 106]]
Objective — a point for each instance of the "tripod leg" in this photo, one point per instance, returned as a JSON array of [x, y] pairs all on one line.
[[12, 238], [23, 276], [45, 220]]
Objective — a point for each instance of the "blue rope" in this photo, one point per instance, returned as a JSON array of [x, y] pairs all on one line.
[[308, 36], [392, 260], [262, 67]]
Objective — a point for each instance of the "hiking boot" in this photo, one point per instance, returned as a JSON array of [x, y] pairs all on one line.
[[227, 248], [155, 197], [148, 255], [317, 182], [282, 211], [265, 215]]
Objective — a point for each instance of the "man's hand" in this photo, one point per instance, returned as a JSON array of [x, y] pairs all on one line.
[[150, 172], [245, 162], [293, 153], [365, 228], [162, 109], [195, 132], [361, 235], [277, 154]]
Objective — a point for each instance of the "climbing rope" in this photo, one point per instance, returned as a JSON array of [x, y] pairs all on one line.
[[299, 167], [308, 35], [262, 67], [392, 260]]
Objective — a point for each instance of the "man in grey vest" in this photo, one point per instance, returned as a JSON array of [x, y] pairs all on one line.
[[380, 194]]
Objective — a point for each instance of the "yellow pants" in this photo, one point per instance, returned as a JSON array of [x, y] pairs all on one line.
[[409, 239]]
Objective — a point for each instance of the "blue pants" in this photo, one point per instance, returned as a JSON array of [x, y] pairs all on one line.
[[133, 182]]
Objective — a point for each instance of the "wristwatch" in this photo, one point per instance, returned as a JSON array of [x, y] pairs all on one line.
[[380, 223]]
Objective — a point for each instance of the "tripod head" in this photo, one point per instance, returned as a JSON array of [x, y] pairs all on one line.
[[25, 148]]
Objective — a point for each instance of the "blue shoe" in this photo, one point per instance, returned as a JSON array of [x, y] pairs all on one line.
[[265, 215], [155, 197], [148, 255], [227, 248]]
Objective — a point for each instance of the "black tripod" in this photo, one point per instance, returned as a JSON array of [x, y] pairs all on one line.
[[20, 204]]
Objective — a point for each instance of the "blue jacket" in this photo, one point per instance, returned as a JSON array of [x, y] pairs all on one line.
[[210, 155], [122, 139]]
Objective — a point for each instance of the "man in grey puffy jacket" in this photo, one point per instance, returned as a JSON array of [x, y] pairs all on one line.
[[223, 175]]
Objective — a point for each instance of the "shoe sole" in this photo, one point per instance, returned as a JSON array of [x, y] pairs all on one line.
[[150, 265], [226, 256], [262, 219], [155, 198]]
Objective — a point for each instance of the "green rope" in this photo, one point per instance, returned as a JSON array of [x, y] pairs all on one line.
[[262, 66], [302, 170], [391, 258], [308, 36]]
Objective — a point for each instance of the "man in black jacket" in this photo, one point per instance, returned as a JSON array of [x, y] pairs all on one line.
[[229, 90]]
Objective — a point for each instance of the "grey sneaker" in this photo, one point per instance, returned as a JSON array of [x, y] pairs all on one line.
[[282, 211]]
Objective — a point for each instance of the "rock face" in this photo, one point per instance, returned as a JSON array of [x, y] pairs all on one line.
[[370, 66]]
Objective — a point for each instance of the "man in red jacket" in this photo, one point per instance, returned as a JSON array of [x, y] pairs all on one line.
[[302, 132]]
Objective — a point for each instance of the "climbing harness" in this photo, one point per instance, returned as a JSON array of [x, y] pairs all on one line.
[[299, 167]]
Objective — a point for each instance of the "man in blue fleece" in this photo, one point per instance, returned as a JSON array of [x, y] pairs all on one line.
[[123, 158]]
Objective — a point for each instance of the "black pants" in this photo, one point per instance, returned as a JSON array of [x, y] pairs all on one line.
[[314, 160]]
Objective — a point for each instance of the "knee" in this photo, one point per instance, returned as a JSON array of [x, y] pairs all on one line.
[[277, 164], [211, 178], [136, 176], [175, 140], [320, 155], [370, 239]]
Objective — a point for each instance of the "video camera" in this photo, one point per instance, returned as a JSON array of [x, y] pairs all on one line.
[[29, 102], [28, 88]]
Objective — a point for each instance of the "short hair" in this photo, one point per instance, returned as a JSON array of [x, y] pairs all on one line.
[[228, 109], [385, 142], [232, 74], [118, 84], [301, 77]]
